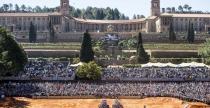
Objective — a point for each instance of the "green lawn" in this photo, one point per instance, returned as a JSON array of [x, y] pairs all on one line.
[[173, 46], [70, 46], [76, 46]]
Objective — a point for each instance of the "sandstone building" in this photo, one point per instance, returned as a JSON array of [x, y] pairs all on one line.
[[65, 25]]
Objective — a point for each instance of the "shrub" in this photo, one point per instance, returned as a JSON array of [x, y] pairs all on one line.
[[75, 60], [90, 71], [207, 61], [205, 52]]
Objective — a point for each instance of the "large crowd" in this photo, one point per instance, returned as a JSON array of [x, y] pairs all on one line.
[[156, 72], [46, 69], [40, 69], [189, 90], [43, 69]]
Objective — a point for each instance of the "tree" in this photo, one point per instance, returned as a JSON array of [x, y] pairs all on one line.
[[173, 9], [142, 55], [10, 6], [38, 9], [186, 6], [134, 16], [180, 8], [29, 9], [189, 9], [204, 52], [5, 7], [86, 52], [32, 33], [23, 8], [1, 9], [78, 13], [126, 18], [17, 8], [45, 9], [122, 17], [140, 16], [191, 33], [98, 15], [89, 71], [172, 35], [102, 15], [12, 54], [116, 14], [168, 9], [52, 32], [88, 13], [109, 14]]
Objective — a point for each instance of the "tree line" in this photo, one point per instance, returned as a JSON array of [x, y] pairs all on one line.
[[98, 13], [23, 8], [182, 9], [88, 13]]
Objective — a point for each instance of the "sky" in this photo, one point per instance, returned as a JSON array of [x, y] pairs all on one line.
[[128, 7]]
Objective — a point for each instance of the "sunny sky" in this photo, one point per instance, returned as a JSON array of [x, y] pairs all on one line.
[[129, 7]]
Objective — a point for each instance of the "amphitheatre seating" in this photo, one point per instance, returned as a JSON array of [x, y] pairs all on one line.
[[43, 69], [171, 73], [197, 91]]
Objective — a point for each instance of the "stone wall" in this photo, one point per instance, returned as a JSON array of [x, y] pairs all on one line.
[[77, 36], [52, 53]]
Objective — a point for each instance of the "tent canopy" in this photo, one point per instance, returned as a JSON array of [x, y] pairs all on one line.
[[192, 64], [76, 65]]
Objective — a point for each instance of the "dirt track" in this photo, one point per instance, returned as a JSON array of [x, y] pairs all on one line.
[[93, 103]]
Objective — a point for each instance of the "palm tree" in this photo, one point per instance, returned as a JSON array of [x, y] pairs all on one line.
[[6, 7], [180, 8], [186, 6]]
